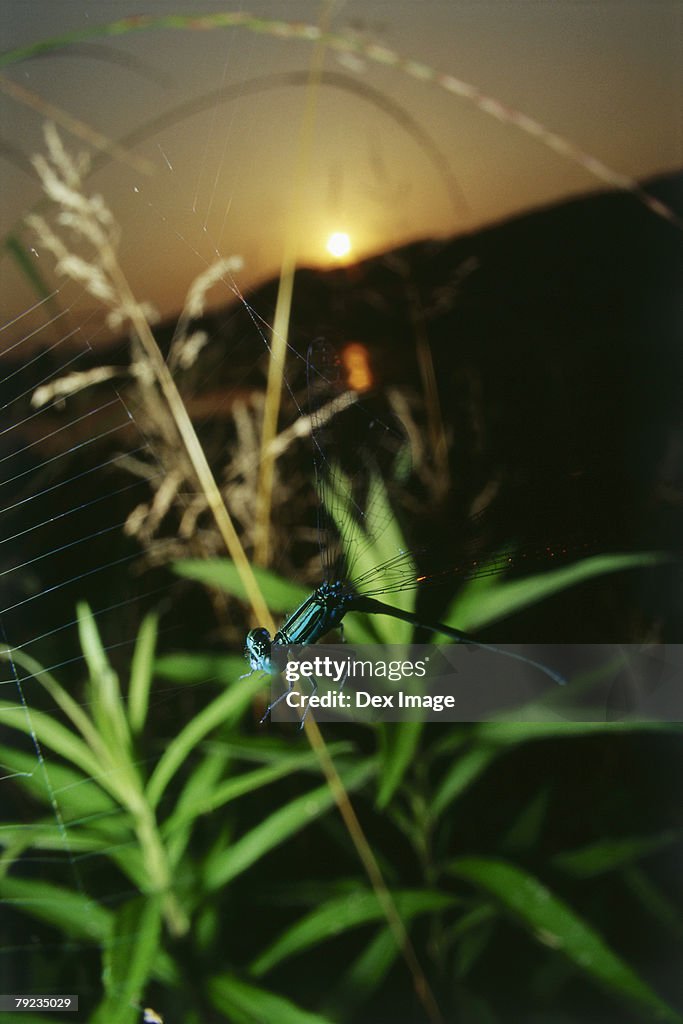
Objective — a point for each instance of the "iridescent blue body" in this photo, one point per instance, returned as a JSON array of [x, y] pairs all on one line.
[[320, 613], [324, 610]]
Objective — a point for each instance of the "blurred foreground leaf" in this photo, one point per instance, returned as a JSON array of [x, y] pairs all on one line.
[[281, 595], [608, 854], [341, 914], [559, 927], [128, 960], [278, 827], [245, 1004], [485, 600]]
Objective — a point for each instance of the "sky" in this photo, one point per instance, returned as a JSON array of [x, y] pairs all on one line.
[[413, 127]]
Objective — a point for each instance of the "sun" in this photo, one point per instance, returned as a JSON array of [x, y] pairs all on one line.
[[338, 245]]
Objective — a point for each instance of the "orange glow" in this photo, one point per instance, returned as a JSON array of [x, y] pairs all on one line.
[[357, 366]]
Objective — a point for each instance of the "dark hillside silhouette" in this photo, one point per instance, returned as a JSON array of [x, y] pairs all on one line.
[[558, 360]]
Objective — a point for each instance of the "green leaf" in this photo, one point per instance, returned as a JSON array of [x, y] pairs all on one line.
[[128, 960], [201, 781], [78, 796], [43, 835], [245, 1004], [471, 946], [229, 704], [71, 912], [141, 672], [278, 827], [52, 734], [131, 862], [71, 708], [525, 831], [107, 706], [511, 732], [341, 914], [608, 854], [655, 902], [282, 595], [366, 547], [465, 770], [193, 669], [471, 920], [403, 741], [368, 971], [478, 606], [29, 268], [91, 644], [266, 748], [24, 1018], [209, 798], [558, 926]]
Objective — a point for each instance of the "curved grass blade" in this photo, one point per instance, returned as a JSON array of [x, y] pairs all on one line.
[[367, 972], [525, 831], [554, 923], [366, 48], [193, 669], [281, 594], [141, 672], [207, 799], [228, 704], [72, 912], [79, 797], [246, 1004], [399, 747], [128, 960], [510, 732], [465, 770], [20, 254], [657, 904], [105, 693], [279, 826], [54, 735], [481, 602], [341, 914], [610, 854]]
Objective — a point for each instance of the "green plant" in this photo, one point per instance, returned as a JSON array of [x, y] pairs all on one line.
[[464, 901], [158, 822], [105, 800]]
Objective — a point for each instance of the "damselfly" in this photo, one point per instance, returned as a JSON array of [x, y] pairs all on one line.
[[375, 447]]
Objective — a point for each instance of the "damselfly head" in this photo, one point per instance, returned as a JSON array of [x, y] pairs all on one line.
[[257, 649]]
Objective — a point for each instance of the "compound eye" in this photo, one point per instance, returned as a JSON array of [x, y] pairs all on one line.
[[257, 647], [258, 639]]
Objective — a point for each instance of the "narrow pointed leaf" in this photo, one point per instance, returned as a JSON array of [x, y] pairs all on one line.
[[339, 915], [608, 854], [465, 770], [278, 827], [230, 703], [54, 735], [77, 795], [141, 673], [405, 738], [477, 608], [128, 959], [71, 912], [245, 1004], [553, 922], [282, 595]]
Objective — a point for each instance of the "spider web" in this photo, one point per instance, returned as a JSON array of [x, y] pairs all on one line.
[[77, 464]]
